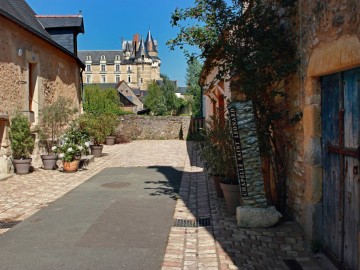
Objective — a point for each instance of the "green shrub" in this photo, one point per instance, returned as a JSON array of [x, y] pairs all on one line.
[[99, 101], [22, 142], [54, 118], [95, 125]]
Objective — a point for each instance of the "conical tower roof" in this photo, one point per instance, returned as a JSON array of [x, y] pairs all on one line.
[[150, 44], [127, 47], [142, 50]]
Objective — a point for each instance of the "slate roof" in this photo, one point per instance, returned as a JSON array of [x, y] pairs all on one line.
[[150, 44], [62, 21], [21, 13], [181, 90], [142, 50], [109, 56]]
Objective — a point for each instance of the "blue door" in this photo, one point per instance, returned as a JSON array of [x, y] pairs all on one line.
[[341, 153]]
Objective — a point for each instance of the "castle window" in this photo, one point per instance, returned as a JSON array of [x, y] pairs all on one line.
[[129, 68], [142, 57], [88, 57], [103, 68], [88, 67], [117, 67], [88, 79], [129, 78], [117, 57], [141, 80], [102, 58], [103, 78], [117, 78]]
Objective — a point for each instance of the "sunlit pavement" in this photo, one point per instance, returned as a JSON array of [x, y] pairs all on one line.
[[222, 245]]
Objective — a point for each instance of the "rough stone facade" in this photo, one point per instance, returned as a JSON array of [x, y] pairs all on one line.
[[329, 42], [32, 73], [138, 127]]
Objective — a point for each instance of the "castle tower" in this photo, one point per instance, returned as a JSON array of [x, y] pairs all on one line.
[[151, 47]]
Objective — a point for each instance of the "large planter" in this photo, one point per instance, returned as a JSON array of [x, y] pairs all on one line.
[[22, 166], [217, 179], [232, 196], [96, 150], [49, 161], [110, 140], [71, 166]]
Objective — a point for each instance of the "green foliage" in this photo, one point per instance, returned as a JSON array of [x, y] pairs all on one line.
[[254, 48], [54, 118], [73, 143], [193, 89], [96, 125], [217, 149], [100, 101], [22, 143], [161, 98]]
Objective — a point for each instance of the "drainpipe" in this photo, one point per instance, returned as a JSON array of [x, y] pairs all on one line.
[[82, 90]]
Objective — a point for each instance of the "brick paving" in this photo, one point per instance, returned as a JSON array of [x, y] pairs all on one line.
[[224, 245], [220, 246]]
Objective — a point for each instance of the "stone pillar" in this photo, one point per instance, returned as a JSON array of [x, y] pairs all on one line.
[[253, 211]]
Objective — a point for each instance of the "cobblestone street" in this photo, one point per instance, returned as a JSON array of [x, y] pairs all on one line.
[[222, 245]]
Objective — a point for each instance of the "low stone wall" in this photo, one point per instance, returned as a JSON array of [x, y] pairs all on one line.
[[144, 127]]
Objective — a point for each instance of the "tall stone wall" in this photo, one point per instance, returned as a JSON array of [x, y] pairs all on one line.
[[54, 73], [139, 127], [328, 41]]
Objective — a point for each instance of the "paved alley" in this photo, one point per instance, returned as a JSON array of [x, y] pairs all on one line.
[[201, 234]]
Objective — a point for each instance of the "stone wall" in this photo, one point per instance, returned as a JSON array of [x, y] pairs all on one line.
[[139, 127], [53, 73], [328, 41]]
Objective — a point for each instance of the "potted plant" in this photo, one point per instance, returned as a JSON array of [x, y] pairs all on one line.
[[94, 125], [111, 123], [54, 118], [218, 151], [22, 143], [73, 144]]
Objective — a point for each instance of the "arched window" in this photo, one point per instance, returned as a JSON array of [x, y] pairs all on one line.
[[117, 57], [102, 58], [88, 57]]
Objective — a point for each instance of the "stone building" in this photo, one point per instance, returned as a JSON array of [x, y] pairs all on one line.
[[36, 66], [137, 63], [323, 187]]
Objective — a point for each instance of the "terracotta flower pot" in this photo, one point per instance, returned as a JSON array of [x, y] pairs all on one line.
[[71, 166], [49, 161], [232, 196], [110, 140], [96, 150], [22, 166]]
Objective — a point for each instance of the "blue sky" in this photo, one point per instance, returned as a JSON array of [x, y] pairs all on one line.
[[106, 21]]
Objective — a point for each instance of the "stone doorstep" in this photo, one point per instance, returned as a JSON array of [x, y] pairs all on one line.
[[4, 176]]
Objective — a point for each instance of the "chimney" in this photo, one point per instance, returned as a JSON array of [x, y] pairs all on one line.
[[136, 40]]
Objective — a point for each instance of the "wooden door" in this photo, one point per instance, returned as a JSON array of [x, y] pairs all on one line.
[[340, 142]]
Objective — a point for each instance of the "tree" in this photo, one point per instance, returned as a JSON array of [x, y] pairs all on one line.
[[193, 89], [161, 98], [251, 43], [100, 101]]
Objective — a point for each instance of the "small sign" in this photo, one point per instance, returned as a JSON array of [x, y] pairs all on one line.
[[238, 152]]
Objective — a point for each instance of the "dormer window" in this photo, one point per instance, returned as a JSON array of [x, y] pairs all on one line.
[[117, 58], [142, 57], [102, 58], [88, 57]]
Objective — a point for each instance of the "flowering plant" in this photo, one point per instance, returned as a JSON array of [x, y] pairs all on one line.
[[73, 144]]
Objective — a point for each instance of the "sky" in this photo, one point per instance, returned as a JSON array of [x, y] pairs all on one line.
[[107, 21]]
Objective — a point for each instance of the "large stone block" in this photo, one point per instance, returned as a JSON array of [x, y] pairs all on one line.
[[252, 217]]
